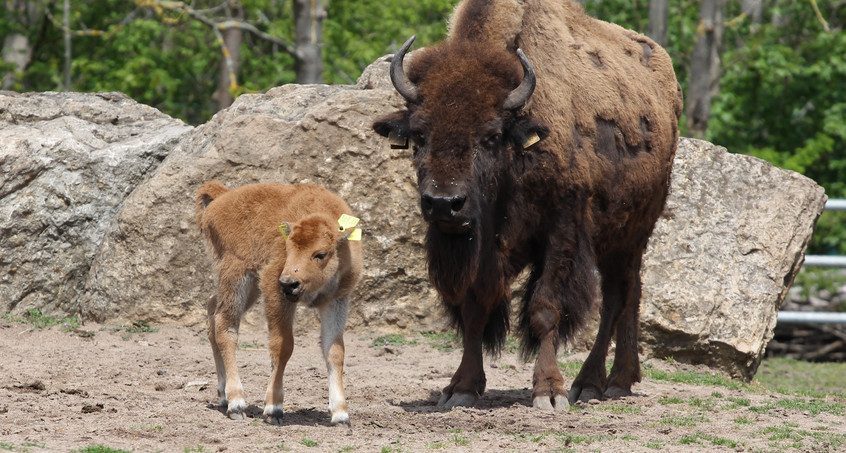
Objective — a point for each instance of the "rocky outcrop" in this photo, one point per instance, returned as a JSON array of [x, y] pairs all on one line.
[[722, 257], [67, 162], [100, 223]]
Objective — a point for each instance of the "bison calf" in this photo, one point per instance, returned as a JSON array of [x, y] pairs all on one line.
[[294, 244]]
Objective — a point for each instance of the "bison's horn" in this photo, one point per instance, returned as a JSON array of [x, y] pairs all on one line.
[[518, 97], [403, 85]]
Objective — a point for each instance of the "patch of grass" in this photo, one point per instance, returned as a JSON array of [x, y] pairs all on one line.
[[700, 438], [38, 320], [347, 448], [308, 442], [393, 339], [99, 449], [387, 449], [442, 341], [813, 406], [459, 441], [570, 368], [654, 444], [692, 378], [436, 446], [133, 328], [253, 345], [683, 420], [800, 378], [620, 408], [742, 421], [570, 439], [670, 400]]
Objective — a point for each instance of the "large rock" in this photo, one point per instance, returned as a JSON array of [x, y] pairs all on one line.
[[152, 265], [722, 257], [67, 161], [715, 273]]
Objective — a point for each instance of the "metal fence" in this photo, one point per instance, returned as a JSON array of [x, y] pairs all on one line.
[[819, 317]]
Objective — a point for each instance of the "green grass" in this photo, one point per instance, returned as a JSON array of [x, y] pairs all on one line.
[[442, 341], [394, 339], [800, 378], [703, 438], [100, 449], [813, 406], [308, 442], [692, 378], [683, 420], [38, 320]]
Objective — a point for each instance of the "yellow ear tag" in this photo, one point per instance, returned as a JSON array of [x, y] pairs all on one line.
[[347, 221], [531, 140], [355, 235], [397, 141], [285, 230]]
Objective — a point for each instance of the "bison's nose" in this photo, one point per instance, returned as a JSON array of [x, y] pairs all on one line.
[[439, 207], [290, 286]]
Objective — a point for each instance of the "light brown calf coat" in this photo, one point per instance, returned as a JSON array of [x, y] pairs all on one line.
[[285, 242]]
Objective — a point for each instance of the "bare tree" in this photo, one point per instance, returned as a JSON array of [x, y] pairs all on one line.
[[658, 10], [17, 46], [704, 67], [309, 15]]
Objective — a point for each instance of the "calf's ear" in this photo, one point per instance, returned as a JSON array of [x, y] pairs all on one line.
[[395, 127], [526, 132]]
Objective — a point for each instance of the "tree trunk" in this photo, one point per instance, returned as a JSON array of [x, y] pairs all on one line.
[[658, 10], [308, 16], [66, 85], [231, 59], [704, 67], [17, 47]]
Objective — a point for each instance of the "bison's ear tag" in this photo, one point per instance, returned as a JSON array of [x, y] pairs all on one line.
[[285, 229], [397, 141], [531, 140]]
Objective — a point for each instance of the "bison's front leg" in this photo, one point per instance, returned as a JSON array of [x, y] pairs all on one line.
[[468, 382], [564, 287]]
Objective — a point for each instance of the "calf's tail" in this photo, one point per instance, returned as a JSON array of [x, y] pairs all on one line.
[[205, 195]]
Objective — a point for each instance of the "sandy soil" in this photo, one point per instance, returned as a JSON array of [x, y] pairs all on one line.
[[155, 391]]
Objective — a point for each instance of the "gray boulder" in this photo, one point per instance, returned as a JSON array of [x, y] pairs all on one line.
[[723, 256], [67, 161], [152, 263]]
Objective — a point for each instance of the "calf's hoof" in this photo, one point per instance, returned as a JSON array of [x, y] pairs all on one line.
[[273, 414], [237, 409], [557, 403], [448, 401], [341, 418]]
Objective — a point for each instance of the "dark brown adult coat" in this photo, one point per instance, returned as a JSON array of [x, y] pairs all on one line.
[[585, 197]]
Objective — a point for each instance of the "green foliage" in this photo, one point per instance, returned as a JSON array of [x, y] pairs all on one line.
[[796, 377]]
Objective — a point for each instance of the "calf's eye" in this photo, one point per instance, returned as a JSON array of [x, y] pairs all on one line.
[[320, 256]]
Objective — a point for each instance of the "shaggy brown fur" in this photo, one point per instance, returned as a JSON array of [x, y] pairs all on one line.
[[286, 242], [585, 197]]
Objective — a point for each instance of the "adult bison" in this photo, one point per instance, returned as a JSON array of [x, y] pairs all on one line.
[[542, 138]]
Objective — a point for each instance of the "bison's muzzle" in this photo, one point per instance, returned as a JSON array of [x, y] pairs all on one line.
[[444, 212]]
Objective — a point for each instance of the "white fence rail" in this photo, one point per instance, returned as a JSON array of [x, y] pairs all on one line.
[[818, 317]]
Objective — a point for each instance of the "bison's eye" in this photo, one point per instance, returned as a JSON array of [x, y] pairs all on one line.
[[492, 141], [418, 137], [320, 256]]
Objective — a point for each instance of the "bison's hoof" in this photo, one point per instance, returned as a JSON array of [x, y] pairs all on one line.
[[583, 394], [237, 409], [273, 414], [558, 403], [457, 400], [614, 391]]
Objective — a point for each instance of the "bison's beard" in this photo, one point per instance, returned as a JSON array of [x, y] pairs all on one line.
[[453, 262]]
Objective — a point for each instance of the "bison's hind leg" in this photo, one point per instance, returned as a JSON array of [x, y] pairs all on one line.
[[620, 302]]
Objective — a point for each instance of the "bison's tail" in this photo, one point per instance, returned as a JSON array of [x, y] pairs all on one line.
[[206, 194]]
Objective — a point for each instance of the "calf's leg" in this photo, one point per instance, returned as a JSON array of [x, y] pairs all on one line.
[[280, 327], [234, 296], [333, 319]]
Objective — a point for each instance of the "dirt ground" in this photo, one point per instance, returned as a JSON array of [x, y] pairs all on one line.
[[155, 391]]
